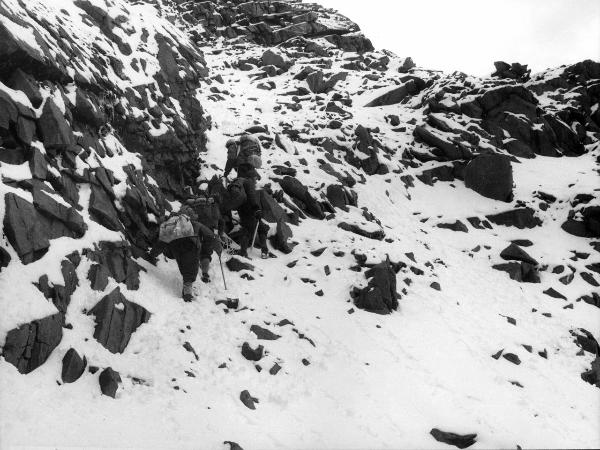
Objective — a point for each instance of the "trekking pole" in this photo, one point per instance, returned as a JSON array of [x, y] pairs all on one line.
[[255, 232], [222, 272]]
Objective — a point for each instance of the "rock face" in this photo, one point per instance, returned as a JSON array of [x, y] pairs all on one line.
[[30, 345], [380, 295], [491, 176], [116, 320], [514, 71]]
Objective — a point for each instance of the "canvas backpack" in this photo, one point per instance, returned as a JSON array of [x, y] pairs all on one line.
[[176, 227], [249, 151], [206, 206], [236, 194]]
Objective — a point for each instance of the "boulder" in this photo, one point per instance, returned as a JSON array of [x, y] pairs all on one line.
[[73, 366], [592, 376], [102, 209], [522, 272], [514, 252], [458, 440], [114, 259], [56, 132], [295, 189], [252, 354], [236, 265], [264, 334], [62, 220], [520, 218], [491, 176], [281, 240], [24, 230], [116, 320], [380, 295], [109, 380], [248, 400], [275, 57], [396, 95], [378, 235], [4, 258], [514, 71], [30, 345]]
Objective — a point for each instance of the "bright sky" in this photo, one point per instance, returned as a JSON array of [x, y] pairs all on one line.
[[469, 35]]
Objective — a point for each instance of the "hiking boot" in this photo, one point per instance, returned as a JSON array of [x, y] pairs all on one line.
[[205, 278], [264, 253], [241, 252], [188, 292]]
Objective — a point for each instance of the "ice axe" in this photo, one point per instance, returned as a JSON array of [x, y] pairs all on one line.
[[255, 232], [232, 303]]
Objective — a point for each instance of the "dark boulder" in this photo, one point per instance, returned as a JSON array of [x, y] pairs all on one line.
[[519, 271], [236, 265], [520, 218], [340, 196], [514, 252], [281, 240], [458, 440], [304, 199], [264, 334], [380, 295], [588, 226], [24, 230], [61, 220], [248, 400], [514, 71], [115, 259], [116, 320], [592, 376], [271, 210], [491, 176], [102, 209], [456, 226], [73, 366], [30, 345], [252, 354], [378, 235], [398, 94], [56, 132], [4, 258], [109, 380], [586, 341]]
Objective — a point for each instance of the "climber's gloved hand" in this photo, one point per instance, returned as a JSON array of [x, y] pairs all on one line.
[[258, 214], [218, 247]]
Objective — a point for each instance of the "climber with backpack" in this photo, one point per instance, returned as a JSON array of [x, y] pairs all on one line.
[[244, 155], [206, 206], [181, 237]]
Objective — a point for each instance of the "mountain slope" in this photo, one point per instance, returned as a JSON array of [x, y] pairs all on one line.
[[367, 160]]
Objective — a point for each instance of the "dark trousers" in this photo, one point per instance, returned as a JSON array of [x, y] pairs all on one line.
[[186, 252], [248, 224]]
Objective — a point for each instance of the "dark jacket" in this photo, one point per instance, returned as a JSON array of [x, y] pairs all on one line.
[[203, 234], [249, 175]]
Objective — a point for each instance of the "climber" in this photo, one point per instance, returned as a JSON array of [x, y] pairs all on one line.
[[181, 237], [250, 213], [244, 155], [208, 211]]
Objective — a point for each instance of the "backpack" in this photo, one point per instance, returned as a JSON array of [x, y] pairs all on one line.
[[249, 151], [176, 227], [206, 206], [236, 194]]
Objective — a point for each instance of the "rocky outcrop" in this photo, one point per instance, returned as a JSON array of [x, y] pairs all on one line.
[[30, 345], [109, 380], [116, 320], [380, 295], [514, 71], [491, 176]]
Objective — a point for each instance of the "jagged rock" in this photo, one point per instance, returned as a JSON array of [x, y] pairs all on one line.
[[264, 334], [340, 197], [295, 189], [445, 149], [397, 95], [274, 57], [60, 295], [380, 295], [271, 210], [109, 380], [86, 111], [586, 341], [236, 265], [115, 260], [456, 226], [38, 165], [281, 240], [248, 400], [551, 292], [406, 65], [592, 299], [116, 320], [491, 176], [588, 226], [61, 220], [252, 354], [460, 441], [511, 357], [23, 229], [30, 345], [520, 218], [73, 366], [56, 132], [319, 85], [514, 71], [378, 235], [514, 252], [522, 272], [102, 209]]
